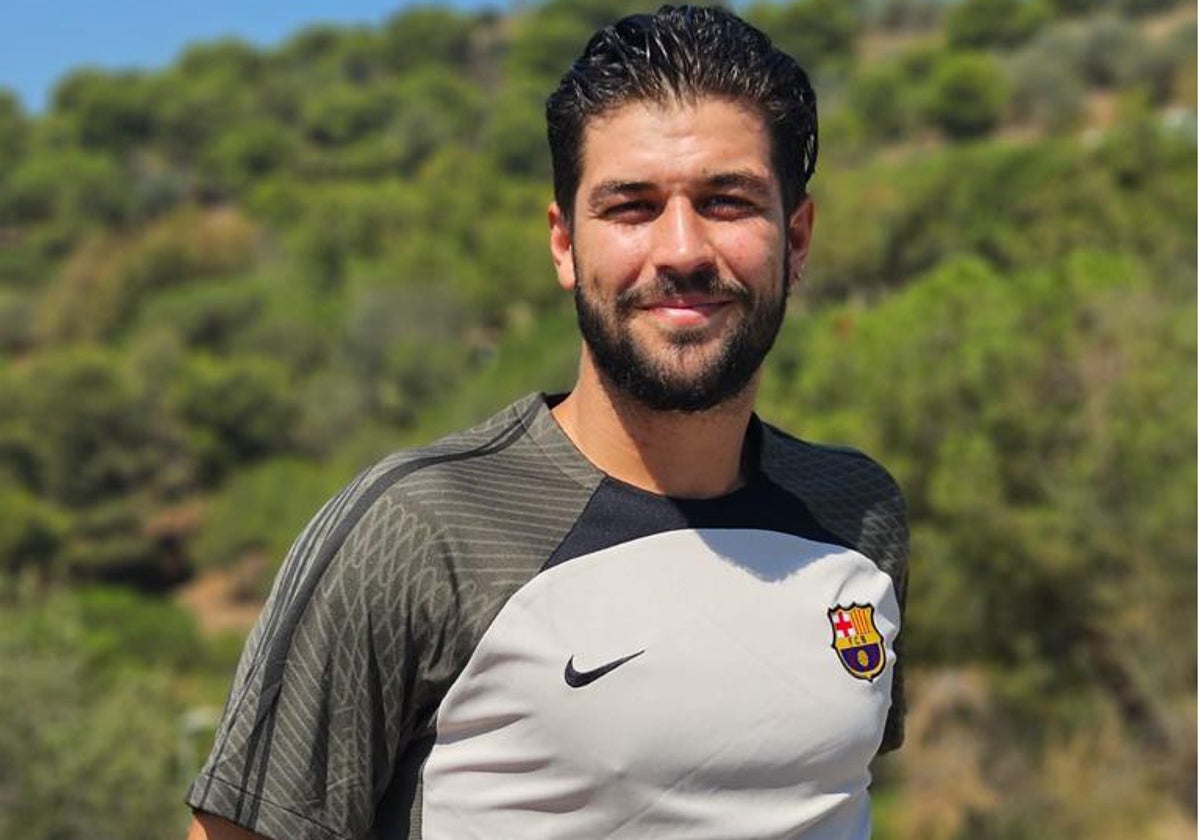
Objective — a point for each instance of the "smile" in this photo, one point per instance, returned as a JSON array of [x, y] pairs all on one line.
[[686, 310]]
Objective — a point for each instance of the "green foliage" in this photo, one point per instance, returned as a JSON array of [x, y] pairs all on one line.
[[235, 410], [14, 131], [31, 531], [261, 510], [427, 35], [91, 426], [975, 24], [885, 99], [1145, 7], [1048, 81], [820, 34], [435, 110], [124, 629], [111, 112], [208, 316], [907, 15], [1112, 48], [405, 343], [549, 36], [228, 58], [250, 152], [967, 95], [16, 320], [108, 278], [89, 738], [71, 186], [515, 134], [1020, 206]]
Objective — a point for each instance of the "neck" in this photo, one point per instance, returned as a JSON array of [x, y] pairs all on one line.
[[682, 454]]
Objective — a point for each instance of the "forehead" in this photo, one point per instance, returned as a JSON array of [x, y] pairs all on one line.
[[675, 141]]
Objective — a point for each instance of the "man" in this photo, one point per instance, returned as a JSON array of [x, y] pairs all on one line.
[[633, 611]]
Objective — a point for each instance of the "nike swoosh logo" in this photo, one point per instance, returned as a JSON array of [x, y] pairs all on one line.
[[578, 679]]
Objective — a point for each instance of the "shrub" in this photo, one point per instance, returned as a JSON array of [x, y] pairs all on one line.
[[31, 531], [235, 410], [262, 509], [86, 716], [885, 100], [1047, 79], [975, 24], [821, 34], [967, 95], [1111, 50]]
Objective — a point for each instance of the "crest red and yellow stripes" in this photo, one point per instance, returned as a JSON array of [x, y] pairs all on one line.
[[857, 640]]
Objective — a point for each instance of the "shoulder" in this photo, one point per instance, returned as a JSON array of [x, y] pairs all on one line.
[[489, 476], [433, 477], [830, 471], [848, 492], [385, 523], [452, 456], [509, 486]]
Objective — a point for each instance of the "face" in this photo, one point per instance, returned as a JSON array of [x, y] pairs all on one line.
[[678, 252]]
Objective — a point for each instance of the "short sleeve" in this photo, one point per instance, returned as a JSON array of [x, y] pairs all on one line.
[[331, 684]]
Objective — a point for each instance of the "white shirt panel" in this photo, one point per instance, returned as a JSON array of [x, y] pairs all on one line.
[[736, 720]]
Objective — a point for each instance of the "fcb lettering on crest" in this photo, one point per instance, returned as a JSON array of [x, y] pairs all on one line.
[[857, 641]]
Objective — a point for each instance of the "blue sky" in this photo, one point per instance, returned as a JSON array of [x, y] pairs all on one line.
[[40, 40]]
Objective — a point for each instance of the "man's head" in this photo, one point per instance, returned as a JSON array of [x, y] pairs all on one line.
[[682, 146], [682, 54]]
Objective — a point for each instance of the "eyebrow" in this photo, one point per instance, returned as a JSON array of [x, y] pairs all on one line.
[[741, 180], [613, 187], [750, 182]]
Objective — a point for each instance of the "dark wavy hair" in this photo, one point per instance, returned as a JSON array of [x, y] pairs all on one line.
[[680, 54]]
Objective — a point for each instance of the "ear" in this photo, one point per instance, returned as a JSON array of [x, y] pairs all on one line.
[[561, 246], [799, 234]]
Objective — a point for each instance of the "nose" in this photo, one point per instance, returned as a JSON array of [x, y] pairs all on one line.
[[681, 242]]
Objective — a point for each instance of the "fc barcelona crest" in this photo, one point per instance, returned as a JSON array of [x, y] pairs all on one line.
[[857, 641]]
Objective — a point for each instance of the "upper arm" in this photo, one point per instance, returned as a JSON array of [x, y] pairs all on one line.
[[331, 683], [211, 827]]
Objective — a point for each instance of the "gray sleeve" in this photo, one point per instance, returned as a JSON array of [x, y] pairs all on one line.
[[331, 685]]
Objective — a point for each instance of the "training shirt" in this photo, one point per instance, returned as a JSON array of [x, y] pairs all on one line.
[[490, 638]]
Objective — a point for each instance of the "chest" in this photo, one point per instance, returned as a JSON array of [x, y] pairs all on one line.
[[653, 673]]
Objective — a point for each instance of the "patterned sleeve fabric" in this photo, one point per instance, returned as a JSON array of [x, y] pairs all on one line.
[[329, 683], [367, 624]]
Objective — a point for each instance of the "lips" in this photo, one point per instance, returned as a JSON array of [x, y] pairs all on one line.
[[686, 310], [683, 300]]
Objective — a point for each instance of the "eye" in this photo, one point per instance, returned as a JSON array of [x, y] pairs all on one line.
[[631, 212], [727, 206]]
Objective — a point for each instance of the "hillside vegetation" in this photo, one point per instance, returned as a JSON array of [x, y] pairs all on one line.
[[228, 285]]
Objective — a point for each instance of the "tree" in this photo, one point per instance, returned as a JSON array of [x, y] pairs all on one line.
[[977, 24], [95, 433], [820, 34], [88, 740], [968, 94], [235, 411], [885, 99], [70, 186], [14, 133], [547, 38], [113, 113], [421, 35]]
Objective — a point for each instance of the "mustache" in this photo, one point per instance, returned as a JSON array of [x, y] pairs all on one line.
[[674, 284]]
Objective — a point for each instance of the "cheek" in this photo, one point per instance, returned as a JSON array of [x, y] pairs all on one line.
[[750, 257], [611, 261]]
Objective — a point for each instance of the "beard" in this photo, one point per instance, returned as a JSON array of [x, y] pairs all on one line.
[[685, 376]]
